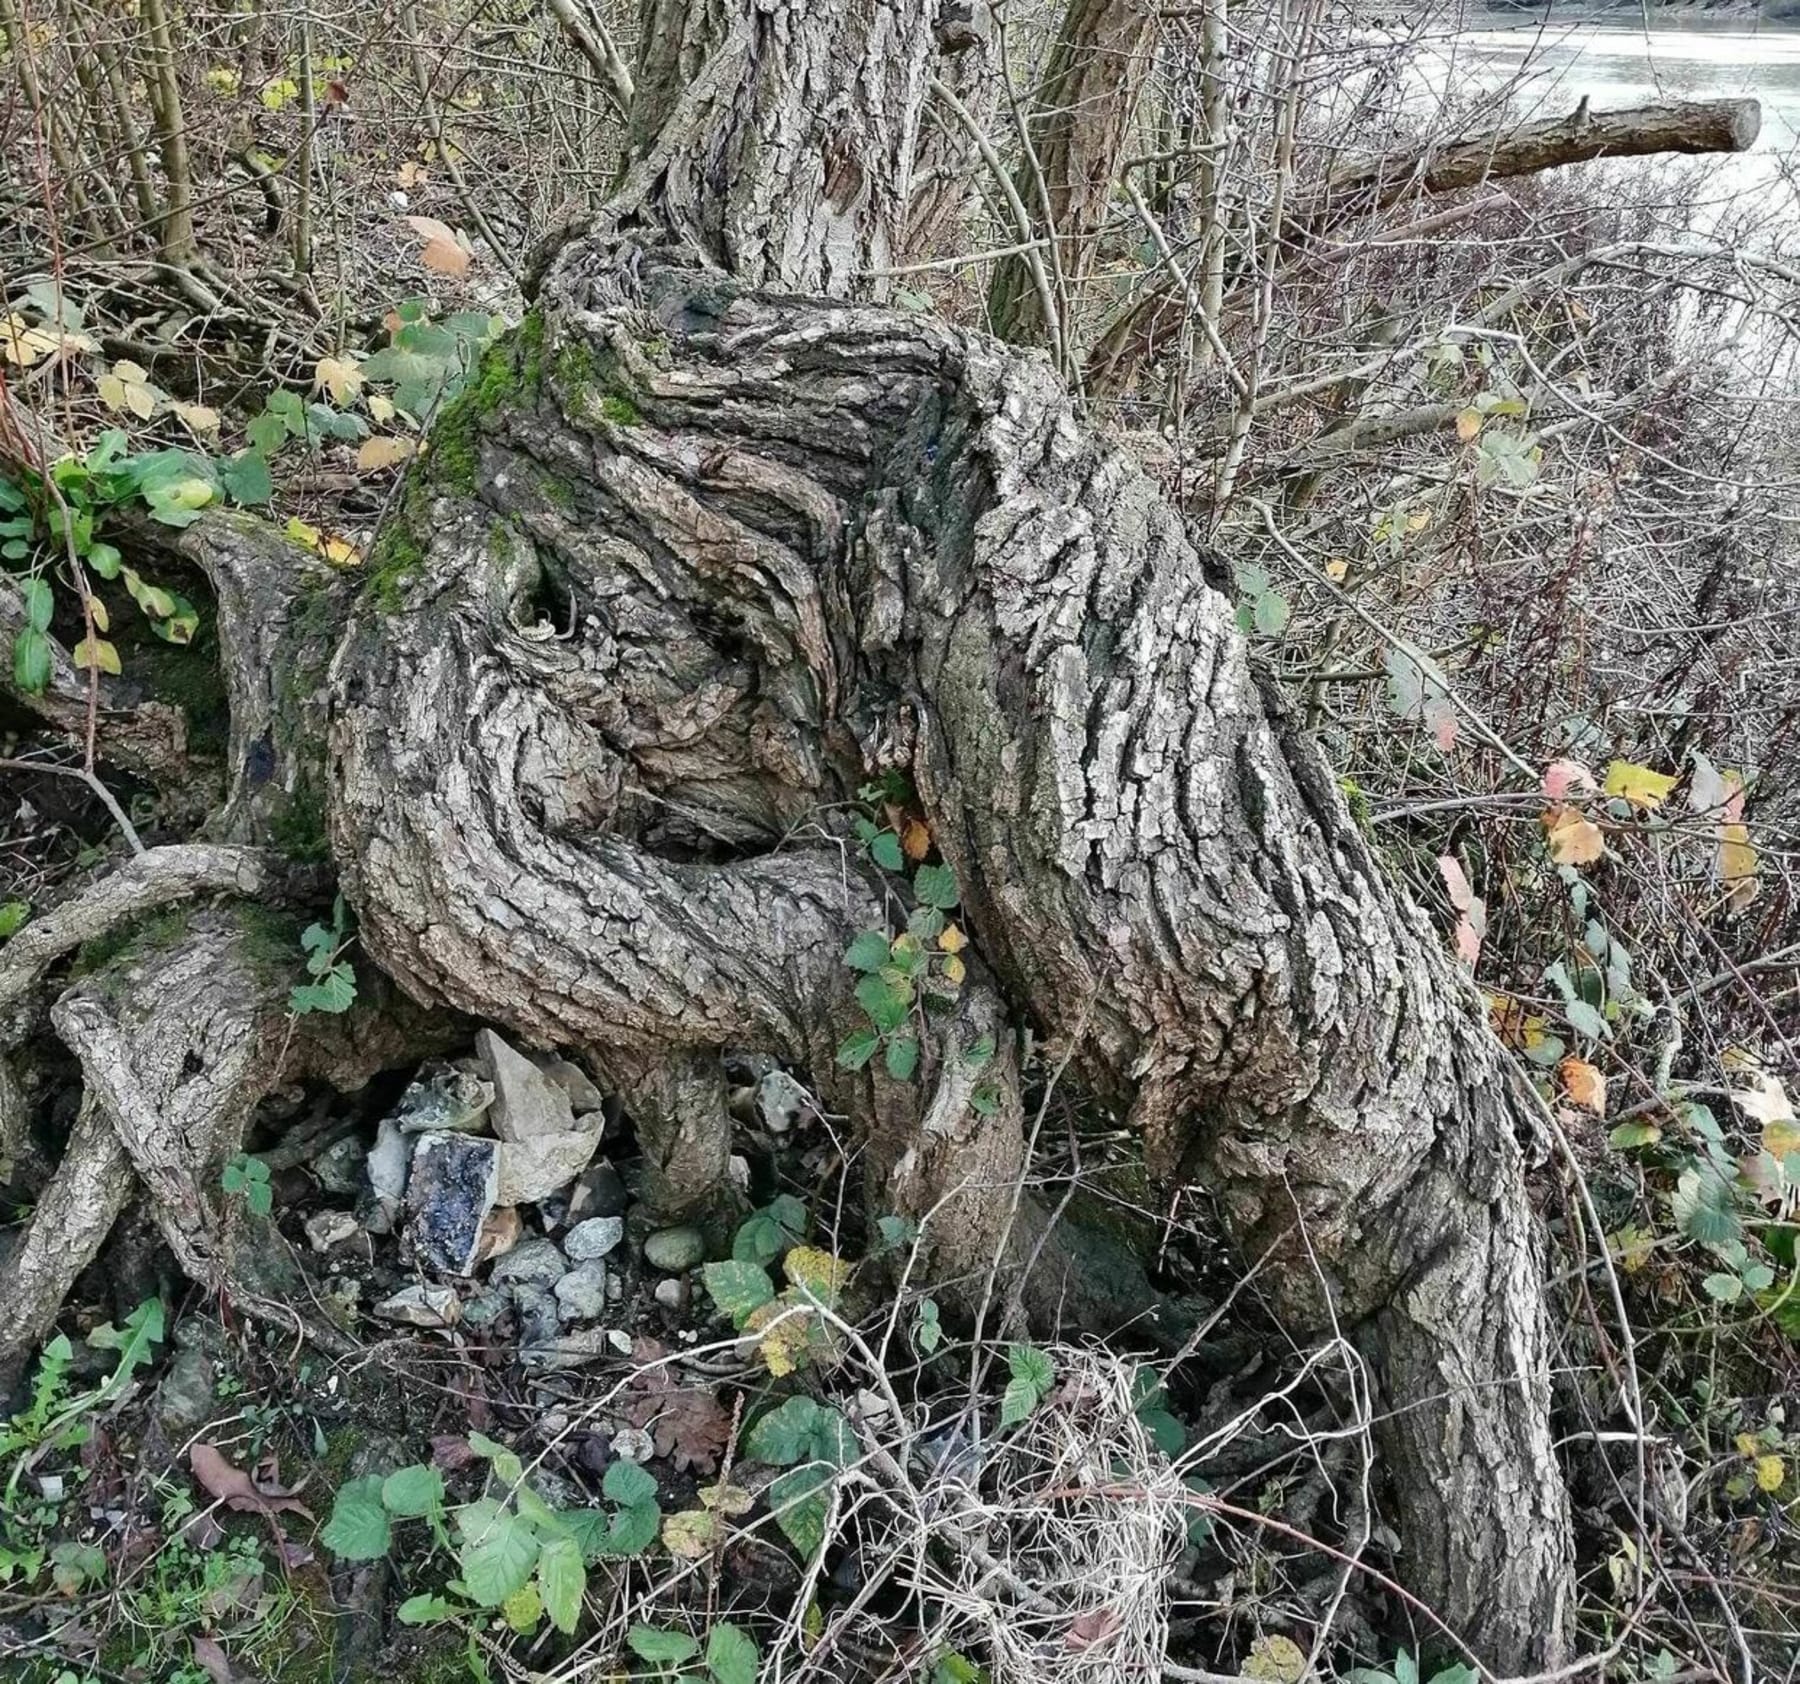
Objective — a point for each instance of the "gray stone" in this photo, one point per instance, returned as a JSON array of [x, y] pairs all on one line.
[[594, 1237], [581, 1293], [329, 1228], [452, 1189], [184, 1395], [443, 1099], [574, 1081], [566, 1350], [781, 1101], [422, 1305], [528, 1105], [539, 1318], [386, 1167], [340, 1167], [531, 1263], [534, 1169], [674, 1249], [598, 1191], [485, 1308], [668, 1292]]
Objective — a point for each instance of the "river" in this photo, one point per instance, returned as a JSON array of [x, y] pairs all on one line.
[[1559, 60]]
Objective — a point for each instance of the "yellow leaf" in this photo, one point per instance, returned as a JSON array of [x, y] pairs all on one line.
[[817, 1272], [783, 1347], [411, 174], [953, 940], [1338, 569], [128, 387], [384, 451], [302, 533], [1738, 866], [690, 1534], [955, 971], [1583, 1084], [338, 376], [1573, 839], [1748, 1444], [277, 93], [23, 345], [197, 417], [95, 652], [1638, 784], [381, 409], [1418, 520], [727, 1499], [340, 552], [915, 840], [1468, 424], [444, 252], [1279, 1659], [222, 79], [1770, 1472], [97, 609]]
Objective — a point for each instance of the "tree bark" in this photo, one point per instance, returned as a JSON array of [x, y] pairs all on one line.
[[1081, 116]]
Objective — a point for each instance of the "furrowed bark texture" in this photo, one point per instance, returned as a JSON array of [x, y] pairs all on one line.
[[1081, 115], [722, 555]]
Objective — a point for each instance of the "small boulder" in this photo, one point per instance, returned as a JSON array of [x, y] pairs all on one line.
[[528, 1105], [594, 1237], [422, 1305], [339, 1167], [531, 1263], [675, 1249], [581, 1293]]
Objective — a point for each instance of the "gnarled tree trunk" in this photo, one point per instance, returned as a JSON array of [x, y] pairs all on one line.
[[715, 544]]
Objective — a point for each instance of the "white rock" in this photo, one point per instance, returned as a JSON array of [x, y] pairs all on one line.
[[782, 1101], [331, 1228], [633, 1444], [528, 1105], [534, 1169], [422, 1306], [668, 1292]]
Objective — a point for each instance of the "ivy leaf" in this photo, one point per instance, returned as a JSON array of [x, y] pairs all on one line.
[[562, 1582], [797, 1500], [358, 1529], [935, 885], [785, 1434], [731, 1656], [738, 1289]]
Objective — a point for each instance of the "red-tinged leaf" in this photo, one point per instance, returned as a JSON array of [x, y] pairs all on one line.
[[1468, 943], [235, 1488], [1563, 778], [450, 1451], [1584, 1084], [1440, 720], [1462, 896], [1093, 1626], [444, 252]]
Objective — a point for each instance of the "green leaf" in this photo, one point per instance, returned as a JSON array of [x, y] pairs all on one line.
[[1270, 614], [785, 1434], [425, 1610], [930, 1331], [926, 923], [562, 1582], [626, 1483], [738, 1289], [1727, 1289], [661, 1648], [1017, 1402], [887, 1002], [1169, 1434], [40, 605], [143, 1328], [104, 559], [869, 952], [731, 1656], [31, 661], [358, 1529], [1028, 1363], [903, 1057], [935, 885], [886, 852], [1587, 1020], [334, 993], [413, 1491], [246, 478], [498, 1558], [266, 433], [633, 1529], [13, 914], [797, 1500], [856, 1050]]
